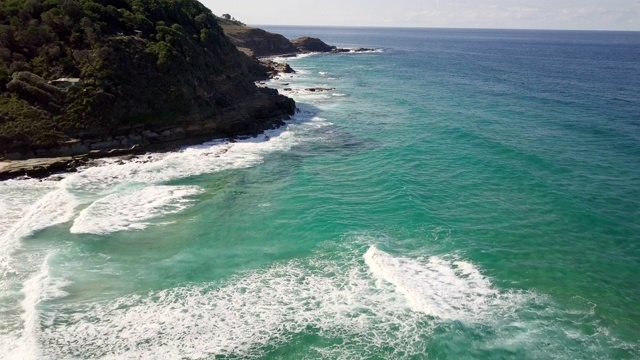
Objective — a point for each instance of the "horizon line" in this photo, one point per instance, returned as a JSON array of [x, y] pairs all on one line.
[[439, 28]]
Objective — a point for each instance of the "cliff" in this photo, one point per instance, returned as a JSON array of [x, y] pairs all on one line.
[[256, 42], [309, 44], [104, 77], [260, 43]]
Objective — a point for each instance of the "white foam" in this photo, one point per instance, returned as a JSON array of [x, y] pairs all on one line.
[[30, 205], [132, 209], [33, 294], [338, 95], [282, 59], [440, 288], [117, 195], [39, 287], [113, 205], [54, 208], [251, 313], [191, 161], [26, 206], [372, 51], [16, 198]]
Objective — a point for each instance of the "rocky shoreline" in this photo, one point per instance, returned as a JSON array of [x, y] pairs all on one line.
[[266, 113], [250, 117], [69, 157], [72, 155]]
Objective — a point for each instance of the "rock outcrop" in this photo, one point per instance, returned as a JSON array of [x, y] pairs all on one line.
[[85, 78], [261, 44], [255, 42], [309, 44], [41, 167], [275, 68]]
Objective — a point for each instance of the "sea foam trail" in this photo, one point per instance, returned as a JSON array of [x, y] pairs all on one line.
[[132, 209], [57, 206], [443, 289], [26, 206], [122, 196], [262, 309], [209, 157], [40, 287], [52, 203], [34, 290]]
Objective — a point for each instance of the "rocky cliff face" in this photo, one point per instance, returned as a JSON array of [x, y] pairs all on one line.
[[138, 73], [260, 43], [309, 44], [256, 42]]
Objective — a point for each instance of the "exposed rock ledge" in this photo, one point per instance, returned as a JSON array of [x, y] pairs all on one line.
[[39, 167], [260, 43], [68, 157], [310, 45], [275, 68]]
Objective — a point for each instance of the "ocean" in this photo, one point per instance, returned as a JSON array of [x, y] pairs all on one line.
[[454, 194]]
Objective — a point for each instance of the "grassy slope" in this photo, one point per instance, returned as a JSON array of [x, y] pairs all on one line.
[[256, 42]]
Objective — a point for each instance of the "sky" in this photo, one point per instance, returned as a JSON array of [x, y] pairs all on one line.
[[507, 14]]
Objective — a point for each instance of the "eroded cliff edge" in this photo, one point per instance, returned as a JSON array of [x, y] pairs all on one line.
[[260, 43], [94, 77]]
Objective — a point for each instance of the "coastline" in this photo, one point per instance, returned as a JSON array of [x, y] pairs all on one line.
[[247, 119], [68, 158], [423, 206], [42, 167]]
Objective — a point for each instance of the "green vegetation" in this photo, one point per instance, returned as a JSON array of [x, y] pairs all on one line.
[[138, 61], [233, 20]]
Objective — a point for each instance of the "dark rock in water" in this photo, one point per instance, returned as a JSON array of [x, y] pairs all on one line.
[[358, 50], [309, 44], [39, 168], [319, 89], [276, 68], [363, 50]]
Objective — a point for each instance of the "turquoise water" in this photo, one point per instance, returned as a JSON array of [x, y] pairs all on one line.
[[457, 194]]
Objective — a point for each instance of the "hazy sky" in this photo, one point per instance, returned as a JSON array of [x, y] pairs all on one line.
[[514, 14]]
